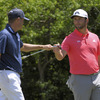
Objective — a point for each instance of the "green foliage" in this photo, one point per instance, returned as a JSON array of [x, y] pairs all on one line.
[[44, 77]]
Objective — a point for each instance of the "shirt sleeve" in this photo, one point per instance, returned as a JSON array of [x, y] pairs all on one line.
[[21, 43], [3, 43], [65, 45], [98, 49]]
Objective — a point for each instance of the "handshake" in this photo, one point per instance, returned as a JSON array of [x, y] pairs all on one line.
[[59, 53], [50, 47], [55, 49]]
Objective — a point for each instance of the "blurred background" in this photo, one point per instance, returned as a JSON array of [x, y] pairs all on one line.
[[43, 77]]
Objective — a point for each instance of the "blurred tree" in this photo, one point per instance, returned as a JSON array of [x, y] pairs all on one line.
[[44, 77]]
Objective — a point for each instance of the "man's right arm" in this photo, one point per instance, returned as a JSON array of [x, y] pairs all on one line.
[[59, 53]]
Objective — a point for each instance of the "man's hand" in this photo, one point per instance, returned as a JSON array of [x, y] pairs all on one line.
[[59, 53], [56, 47], [48, 47]]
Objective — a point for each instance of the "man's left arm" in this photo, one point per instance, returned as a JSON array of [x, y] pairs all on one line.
[[31, 47]]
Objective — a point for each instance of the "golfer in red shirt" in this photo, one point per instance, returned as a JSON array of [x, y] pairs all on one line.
[[83, 50]]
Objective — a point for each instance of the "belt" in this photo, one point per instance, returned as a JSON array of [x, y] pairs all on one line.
[[4, 69], [95, 73], [8, 69]]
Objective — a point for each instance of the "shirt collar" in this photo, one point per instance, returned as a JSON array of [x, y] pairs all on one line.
[[81, 34], [8, 27]]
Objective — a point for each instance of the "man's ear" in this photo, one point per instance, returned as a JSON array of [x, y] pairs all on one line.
[[87, 21], [17, 19]]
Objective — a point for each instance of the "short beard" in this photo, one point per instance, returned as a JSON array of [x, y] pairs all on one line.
[[81, 27]]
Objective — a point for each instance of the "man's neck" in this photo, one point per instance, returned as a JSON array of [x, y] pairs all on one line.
[[13, 26], [83, 31]]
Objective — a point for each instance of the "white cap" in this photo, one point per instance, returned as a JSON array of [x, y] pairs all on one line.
[[80, 13]]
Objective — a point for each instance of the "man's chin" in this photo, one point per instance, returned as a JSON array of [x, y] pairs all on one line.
[[79, 28]]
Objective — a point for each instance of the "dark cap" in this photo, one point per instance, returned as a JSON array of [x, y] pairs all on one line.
[[15, 13]]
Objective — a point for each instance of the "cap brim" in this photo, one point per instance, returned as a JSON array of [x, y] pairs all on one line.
[[74, 16], [26, 19], [77, 15]]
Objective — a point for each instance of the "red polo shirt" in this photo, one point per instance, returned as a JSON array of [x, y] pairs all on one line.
[[83, 51]]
